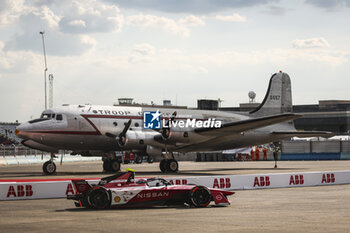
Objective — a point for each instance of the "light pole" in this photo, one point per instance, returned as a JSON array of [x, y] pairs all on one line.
[[42, 35]]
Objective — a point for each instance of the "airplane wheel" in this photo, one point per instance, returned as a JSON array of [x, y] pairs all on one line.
[[107, 165], [115, 165], [200, 196], [172, 165], [163, 165], [99, 198], [138, 159], [49, 168], [150, 159]]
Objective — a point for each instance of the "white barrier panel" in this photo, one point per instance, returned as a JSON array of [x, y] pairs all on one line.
[[59, 188], [37, 189], [32, 159], [274, 180]]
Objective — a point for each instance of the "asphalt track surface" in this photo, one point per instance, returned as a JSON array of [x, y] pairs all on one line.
[[307, 209]]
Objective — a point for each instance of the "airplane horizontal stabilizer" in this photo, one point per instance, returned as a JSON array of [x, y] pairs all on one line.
[[244, 125], [304, 134]]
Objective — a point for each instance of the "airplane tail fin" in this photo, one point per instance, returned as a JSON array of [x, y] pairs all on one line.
[[278, 98]]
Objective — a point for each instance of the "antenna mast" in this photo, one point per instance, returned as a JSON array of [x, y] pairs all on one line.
[[50, 90]]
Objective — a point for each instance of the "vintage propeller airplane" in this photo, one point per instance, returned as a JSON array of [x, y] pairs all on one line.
[[92, 130]]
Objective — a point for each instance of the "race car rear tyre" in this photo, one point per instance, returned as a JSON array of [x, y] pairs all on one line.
[[98, 198], [49, 168], [200, 196], [163, 165], [115, 165], [172, 165]]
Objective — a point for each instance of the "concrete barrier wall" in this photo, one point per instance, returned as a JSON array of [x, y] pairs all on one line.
[[304, 147], [311, 156], [33, 159], [345, 155], [59, 188], [345, 146]]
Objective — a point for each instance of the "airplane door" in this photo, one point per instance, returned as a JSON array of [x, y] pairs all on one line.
[[83, 125]]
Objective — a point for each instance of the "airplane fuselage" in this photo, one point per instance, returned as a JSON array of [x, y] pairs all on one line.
[[83, 128]]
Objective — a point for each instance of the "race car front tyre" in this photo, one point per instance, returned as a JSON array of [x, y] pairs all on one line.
[[200, 196], [98, 198], [49, 168]]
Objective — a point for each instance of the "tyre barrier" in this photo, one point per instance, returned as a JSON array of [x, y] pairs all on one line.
[[60, 188]]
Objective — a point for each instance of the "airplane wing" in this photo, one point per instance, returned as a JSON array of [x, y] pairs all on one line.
[[244, 125], [304, 134]]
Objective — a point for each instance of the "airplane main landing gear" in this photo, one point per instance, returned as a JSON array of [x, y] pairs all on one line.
[[168, 165], [111, 165], [49, 167]]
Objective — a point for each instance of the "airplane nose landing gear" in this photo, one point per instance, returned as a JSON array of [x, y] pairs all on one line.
[[49, 167]]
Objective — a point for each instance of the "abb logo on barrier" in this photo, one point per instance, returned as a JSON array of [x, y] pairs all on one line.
[[296, 179], [178, 182], [328, 178], [69, 189], [20, 191], [261, 181], [222, 183]]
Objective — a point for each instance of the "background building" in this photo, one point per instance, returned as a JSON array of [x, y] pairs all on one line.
[[327, 115]]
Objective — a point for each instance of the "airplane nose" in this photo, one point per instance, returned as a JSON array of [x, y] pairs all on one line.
[[19, 130]]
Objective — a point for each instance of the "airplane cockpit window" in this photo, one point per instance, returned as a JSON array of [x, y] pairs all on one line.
[[47, 116], [59, 117]]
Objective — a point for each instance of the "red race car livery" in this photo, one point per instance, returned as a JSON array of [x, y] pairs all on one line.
[[121, 190]]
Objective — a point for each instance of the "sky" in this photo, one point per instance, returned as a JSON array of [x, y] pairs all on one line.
[[181, 50]]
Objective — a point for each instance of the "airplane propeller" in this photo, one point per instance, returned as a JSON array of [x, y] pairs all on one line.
[[121, 138]]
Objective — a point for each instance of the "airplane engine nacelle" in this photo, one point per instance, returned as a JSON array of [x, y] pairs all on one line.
[[129, 140], [153, 151], [135, 139], [177, 136]]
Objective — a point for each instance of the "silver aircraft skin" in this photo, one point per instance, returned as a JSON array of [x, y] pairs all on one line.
[[92, 130]]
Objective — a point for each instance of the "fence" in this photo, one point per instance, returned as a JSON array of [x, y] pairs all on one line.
[[18, 150]]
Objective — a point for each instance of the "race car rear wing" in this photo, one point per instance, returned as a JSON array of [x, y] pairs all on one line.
[[81, 186]]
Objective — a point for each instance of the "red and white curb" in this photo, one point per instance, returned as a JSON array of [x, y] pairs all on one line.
[[59, 188]]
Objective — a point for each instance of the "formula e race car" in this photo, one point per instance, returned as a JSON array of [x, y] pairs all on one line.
[[121, 190]]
